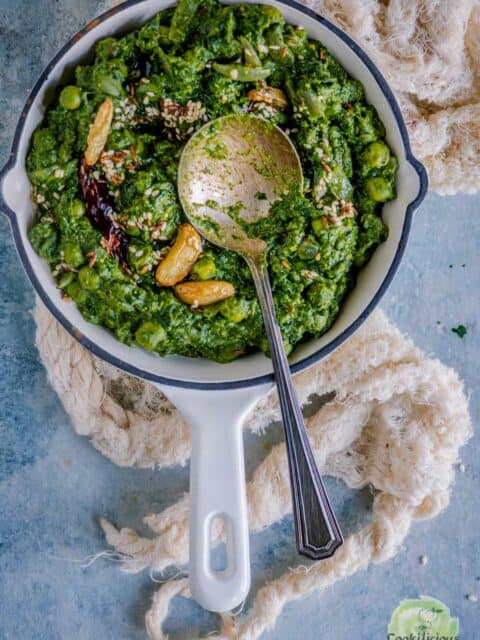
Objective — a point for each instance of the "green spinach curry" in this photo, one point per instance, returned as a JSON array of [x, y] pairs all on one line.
[[106, 226]]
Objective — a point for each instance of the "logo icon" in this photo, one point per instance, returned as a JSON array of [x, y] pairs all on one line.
[[423, 619]]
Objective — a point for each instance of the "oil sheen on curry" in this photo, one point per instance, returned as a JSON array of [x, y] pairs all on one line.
[[103, 168]]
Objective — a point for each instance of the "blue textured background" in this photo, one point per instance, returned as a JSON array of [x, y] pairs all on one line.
[[54, 486]]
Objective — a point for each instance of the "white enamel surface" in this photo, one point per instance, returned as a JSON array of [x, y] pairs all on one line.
[[217, 490], [16, 194]]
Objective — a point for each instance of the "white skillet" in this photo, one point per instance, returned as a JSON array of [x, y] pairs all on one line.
[[216, 398]]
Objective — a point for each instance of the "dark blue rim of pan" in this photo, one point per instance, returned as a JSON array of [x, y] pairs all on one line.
[[254, 381]]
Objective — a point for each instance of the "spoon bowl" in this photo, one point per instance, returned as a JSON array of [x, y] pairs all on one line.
[[234, 168]]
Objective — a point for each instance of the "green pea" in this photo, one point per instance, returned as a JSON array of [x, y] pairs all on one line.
[[65, 279], [149, 335], [235, 309], [379, 189], [77, 208], [71, 97], [377, 154], [76, 293], [204, 269], [318, 227], [88, 278], [73, 255]]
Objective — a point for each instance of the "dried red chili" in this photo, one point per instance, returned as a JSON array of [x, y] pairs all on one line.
[[99, 211]]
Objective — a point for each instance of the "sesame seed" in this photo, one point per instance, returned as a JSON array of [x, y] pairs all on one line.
[[310, 275], [423, 560], [471, 597]]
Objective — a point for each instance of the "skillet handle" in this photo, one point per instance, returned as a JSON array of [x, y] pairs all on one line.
[[217, 490]]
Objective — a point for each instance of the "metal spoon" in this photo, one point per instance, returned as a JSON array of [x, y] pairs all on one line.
[[236, 167]]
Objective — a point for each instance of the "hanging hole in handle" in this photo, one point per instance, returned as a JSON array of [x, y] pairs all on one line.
[[221, 545]]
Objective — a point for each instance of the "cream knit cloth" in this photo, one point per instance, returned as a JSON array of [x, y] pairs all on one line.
[[395, 420]]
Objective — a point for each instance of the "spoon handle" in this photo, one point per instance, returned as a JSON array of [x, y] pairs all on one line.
[[317, 532]]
